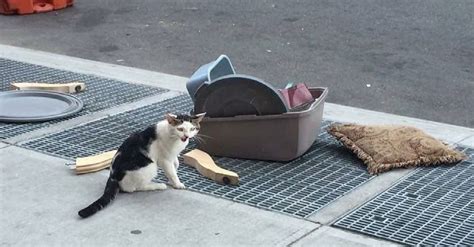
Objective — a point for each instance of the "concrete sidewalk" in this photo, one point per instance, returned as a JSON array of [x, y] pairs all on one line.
[[40, 197]]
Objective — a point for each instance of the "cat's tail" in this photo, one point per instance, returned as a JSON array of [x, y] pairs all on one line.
[[111, 190]]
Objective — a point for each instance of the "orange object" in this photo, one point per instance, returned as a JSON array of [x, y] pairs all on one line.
[[22, 7]]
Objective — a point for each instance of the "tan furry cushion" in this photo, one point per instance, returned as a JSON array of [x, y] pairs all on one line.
[[385, 147]]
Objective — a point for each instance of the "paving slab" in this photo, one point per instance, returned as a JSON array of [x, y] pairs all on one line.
[[41, 197], [332, 237]]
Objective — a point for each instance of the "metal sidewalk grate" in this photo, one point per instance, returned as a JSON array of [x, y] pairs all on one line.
[[107, 133], [101, 93], [298, 188], [432, 206]]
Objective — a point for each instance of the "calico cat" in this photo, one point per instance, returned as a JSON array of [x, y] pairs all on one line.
[[136, 162]]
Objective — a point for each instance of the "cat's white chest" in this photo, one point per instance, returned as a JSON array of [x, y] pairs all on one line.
[[179, 146], [166, 150]]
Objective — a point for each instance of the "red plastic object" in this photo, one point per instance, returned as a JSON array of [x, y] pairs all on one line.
[[22, 7], [297, 95]]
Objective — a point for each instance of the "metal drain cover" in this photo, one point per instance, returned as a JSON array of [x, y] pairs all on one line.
[[36, 106], [431, 207]]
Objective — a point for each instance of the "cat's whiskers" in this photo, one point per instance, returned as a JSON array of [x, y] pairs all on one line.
[[202, 135], [199, 139]]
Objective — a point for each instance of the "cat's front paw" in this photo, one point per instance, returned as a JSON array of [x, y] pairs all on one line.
[[179, 186]]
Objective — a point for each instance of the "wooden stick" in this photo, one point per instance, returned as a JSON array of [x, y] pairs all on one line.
[[72, 87], [206, 167], [92, 167], [94, 163]]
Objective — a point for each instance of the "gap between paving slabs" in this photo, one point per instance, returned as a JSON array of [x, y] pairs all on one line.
[[101, 93], [298, 188]]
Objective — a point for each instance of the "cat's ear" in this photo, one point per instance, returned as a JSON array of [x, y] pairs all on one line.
[[198, 117], [171, 118]]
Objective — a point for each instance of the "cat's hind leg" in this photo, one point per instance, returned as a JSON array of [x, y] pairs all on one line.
[[140, 179], [127, 185]]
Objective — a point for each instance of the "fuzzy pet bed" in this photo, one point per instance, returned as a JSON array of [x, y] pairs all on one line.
[[385, 147]]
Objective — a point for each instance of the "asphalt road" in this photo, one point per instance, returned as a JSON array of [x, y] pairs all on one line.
[[412, 58]]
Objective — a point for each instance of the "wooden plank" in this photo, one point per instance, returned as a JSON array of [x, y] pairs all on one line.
[[206, 167], [94, 163], [71, 87]]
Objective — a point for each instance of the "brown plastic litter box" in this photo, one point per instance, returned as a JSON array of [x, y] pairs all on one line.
[[281, 137]]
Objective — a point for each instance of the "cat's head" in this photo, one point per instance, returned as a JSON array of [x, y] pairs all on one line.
[[184, 126]]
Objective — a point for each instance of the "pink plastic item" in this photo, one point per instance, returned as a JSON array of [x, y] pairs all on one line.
[[296, 95]]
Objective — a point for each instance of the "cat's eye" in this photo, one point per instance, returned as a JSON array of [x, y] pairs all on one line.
[[180, 129], [193, 129]]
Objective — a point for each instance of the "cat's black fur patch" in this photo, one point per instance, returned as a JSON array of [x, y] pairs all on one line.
[[130, 154], [184, 117], [192, 119], [129, 157]]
